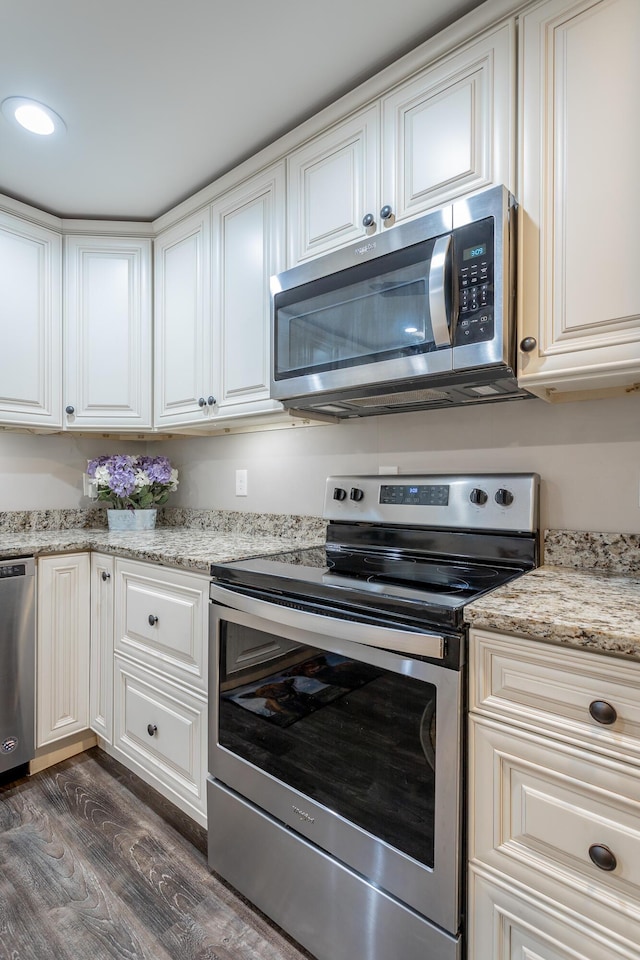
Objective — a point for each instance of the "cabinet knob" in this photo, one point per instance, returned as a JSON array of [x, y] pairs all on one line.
[[368, 220], [603, 712], [106, 575], [528, 344], [211, 401], [69, 409], [152, 620], [151, 729], [386, 212], [603, 857], [202, 402]]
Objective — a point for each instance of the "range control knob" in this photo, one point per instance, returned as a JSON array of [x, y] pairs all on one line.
[[339, 493], [504, 497], [356, 494], [478, 496]]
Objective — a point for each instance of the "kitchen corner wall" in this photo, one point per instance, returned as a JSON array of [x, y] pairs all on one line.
[[587, 454]]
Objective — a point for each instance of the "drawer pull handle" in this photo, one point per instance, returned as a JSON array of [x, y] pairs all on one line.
[[152, 620], [602, 856], [603, 712], [151, 729]]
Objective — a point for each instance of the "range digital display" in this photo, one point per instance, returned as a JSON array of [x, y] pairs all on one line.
[[423, 495]]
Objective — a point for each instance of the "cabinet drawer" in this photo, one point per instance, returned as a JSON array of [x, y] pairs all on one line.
[[540, 810], [504, 925], [162, 620], [163, 729], [550, 688]]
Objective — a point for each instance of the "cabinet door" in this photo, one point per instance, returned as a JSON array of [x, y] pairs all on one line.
[[63, 647], [30, 324], [107, 324], [248, 241], [102, 627], [183, 362], [506, 925], [451, 130], [333, 184], [580, 192]]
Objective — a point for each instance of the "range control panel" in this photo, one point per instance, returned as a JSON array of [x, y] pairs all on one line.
[[484, 501]]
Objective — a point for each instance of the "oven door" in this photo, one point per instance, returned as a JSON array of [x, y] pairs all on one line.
[[355, 748]]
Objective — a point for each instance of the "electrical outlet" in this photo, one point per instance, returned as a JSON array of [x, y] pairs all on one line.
[[89, 486], [388, 471], [241, 483]]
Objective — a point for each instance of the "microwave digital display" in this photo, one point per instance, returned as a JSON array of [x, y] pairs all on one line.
[[472, 252]]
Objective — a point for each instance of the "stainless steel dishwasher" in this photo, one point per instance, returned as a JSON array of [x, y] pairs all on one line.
[[17, 659]]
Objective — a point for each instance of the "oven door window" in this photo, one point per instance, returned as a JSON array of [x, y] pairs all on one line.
[[355, 738], [372, 311]]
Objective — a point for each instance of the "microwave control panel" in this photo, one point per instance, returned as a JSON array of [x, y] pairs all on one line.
[[474, 269]]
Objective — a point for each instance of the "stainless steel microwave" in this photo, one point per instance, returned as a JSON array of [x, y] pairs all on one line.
[[422, 315]]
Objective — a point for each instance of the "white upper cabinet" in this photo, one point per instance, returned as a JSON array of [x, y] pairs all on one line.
[[184, 371], [333, 183], [248, 226], [107, 333], [30, 324], [447, 131], [450, 130], [579, 299], [212, 306]]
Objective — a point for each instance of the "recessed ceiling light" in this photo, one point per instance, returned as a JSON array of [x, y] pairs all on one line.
[[32, 115]]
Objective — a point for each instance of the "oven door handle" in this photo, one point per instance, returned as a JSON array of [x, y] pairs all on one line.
[[385, 638]]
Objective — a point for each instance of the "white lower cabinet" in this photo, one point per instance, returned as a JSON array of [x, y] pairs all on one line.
[[62, 681], [554, 825], [101, 672], [510, 924], [160, 680], [160, 733]]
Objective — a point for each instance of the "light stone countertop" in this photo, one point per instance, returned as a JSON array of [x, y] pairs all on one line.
[[187, 548], [562, 602], [594, 609]]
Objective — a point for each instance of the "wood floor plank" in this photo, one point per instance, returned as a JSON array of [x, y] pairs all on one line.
[[94, 865]]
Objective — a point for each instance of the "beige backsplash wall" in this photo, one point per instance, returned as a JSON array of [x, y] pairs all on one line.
[[588, 455]]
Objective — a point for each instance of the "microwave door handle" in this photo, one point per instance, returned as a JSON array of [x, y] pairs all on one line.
[[437, 300]]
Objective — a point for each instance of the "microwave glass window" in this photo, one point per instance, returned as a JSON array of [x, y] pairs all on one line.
[[360, 315], [356, 738]]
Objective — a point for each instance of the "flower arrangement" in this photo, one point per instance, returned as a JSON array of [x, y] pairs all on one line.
[[133, 483]]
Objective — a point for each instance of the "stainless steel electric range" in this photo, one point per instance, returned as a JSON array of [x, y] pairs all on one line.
[[337, 698]]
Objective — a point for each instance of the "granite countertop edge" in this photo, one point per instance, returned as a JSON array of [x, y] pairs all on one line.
[[590, 609], [182, 548]]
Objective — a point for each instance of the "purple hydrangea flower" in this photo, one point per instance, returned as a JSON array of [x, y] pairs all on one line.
[[123, 479], [94, 464]]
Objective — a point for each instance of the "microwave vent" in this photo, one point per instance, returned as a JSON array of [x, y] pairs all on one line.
[[401, 399]]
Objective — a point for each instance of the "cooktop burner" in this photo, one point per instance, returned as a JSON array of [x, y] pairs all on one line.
[[380, 562]]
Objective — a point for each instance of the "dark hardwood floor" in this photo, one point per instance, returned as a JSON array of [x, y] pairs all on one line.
[[95, 865]]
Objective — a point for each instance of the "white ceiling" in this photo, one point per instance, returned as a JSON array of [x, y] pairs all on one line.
[[160, 97]]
